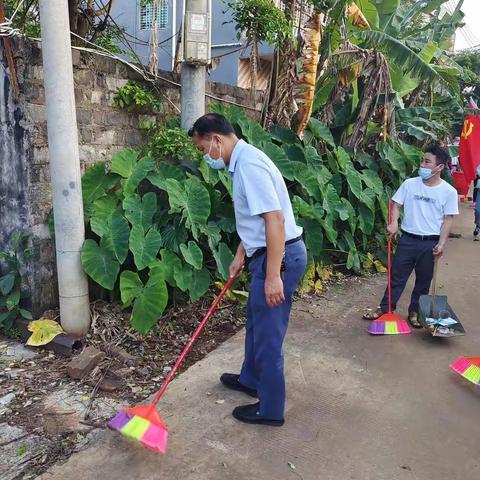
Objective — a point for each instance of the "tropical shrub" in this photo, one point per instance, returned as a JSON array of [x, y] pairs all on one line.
[[162, 232]]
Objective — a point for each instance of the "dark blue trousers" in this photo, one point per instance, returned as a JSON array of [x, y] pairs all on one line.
[[412, 254], [266, 327]]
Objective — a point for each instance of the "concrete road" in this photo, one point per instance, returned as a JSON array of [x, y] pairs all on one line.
[[359, 407]]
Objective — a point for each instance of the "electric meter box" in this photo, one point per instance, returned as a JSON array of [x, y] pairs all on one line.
[[196, 32]]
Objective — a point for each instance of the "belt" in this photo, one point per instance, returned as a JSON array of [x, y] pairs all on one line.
[[421, 237], [261, 250]]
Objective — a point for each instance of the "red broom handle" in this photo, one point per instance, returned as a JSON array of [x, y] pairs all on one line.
[[389, 259], [195, 335]]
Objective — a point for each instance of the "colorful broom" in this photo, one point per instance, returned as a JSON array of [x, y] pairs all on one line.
[[389, 323], [468, 367], [143, 423]]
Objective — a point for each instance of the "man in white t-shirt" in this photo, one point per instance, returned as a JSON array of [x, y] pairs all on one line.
[[429, 204]]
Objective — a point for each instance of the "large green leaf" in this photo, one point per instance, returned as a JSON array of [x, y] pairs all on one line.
[[124, 162], [130, 287], [331, 200], [366, 218], [306, 210], [140, 171], [368, 198], [177, 196], [170, 262], [144, 247], [197, 207], [313, 158], [354, 180], [353, 260], [330, 230], [213, 232], [183, 276], [295, 153], [321, 131], [209, 174], [164, 171], [313, 236], [103, 208], [307, 178], [6, 283], [199, 284], [226, 180], [283, 135], [224, 257], [99, 264], [281, 160], [372, 180], [117, 235], [351, 214], [140, 211], [95, 183], [13, 300], [253, 132], [149, 301], [192, 254], [174, 234]]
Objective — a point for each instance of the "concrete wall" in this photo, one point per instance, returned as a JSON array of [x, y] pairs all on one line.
[[25, 194]]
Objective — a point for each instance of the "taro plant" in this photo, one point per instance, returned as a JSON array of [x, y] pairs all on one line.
[[159, 231], [11, 280], [162, 232]]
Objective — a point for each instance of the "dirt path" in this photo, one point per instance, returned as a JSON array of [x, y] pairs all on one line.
[[359, 407]]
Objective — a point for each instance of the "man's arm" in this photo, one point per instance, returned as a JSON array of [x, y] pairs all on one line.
[[275, 238], [439, 248], [392, 228], [238, 261]]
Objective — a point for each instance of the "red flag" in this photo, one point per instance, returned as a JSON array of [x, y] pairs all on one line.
[[470, 147]]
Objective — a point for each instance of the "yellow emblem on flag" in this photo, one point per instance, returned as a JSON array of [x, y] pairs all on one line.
[[467, 129]]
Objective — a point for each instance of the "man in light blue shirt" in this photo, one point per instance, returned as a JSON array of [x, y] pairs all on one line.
[[272, 242]]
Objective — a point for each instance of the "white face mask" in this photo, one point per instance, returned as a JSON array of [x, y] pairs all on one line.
[[215, 164]]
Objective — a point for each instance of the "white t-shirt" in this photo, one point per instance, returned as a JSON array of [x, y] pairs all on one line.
[[425, 207]]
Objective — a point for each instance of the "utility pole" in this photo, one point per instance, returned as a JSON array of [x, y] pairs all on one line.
[[64, 166], [196, 54]]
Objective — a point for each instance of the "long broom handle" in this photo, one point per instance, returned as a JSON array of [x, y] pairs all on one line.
[[389, 253], [195, 335], [434, 285]]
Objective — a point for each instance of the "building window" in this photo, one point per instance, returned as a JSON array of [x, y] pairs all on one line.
[[148, 15]]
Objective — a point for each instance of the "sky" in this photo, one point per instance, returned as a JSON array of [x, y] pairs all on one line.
[[469, 36]]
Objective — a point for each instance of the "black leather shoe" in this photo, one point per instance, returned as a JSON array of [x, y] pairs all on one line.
[[249, 414], [231, 380]]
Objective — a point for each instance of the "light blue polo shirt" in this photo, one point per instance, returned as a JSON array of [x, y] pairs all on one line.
[[258, 187]]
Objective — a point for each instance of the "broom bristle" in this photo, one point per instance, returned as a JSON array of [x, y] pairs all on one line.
[[468, 368], [389, 324], [151, 435]]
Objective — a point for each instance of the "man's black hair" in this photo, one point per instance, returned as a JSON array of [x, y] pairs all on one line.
[[441, 154], [211, 123]]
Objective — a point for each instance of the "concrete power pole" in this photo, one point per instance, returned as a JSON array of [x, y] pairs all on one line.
[[196, 55], [64, 165]]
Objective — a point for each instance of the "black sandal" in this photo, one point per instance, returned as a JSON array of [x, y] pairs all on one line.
[[413, 320], [372, 315]]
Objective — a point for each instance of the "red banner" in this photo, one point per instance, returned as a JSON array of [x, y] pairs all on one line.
[[470, 147]]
